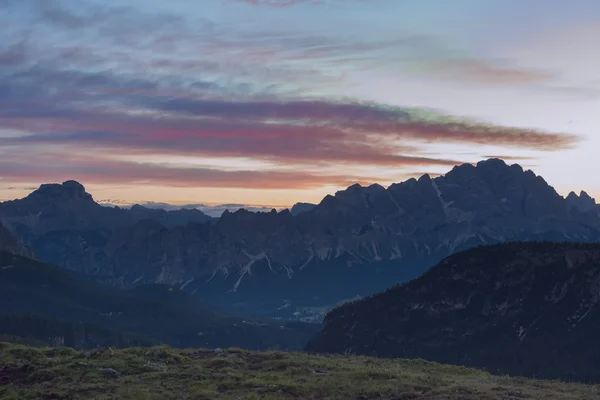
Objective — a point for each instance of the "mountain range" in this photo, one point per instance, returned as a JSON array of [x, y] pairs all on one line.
[[526, 309], [302, 262]]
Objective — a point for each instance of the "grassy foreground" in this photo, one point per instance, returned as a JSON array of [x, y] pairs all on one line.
[[165, 373]]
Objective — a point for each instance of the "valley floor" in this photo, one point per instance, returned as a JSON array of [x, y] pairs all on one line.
[[165, 373]]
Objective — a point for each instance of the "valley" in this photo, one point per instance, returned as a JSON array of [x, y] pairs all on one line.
[[50, 305]]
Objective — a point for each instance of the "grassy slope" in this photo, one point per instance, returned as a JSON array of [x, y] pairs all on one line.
[[164, 373]]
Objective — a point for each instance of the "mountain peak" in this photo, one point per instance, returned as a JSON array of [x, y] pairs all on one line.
[[424, 178], [492, 162], [583, 195], [376, 187], [584, 202], [355, 187], [68, 189]]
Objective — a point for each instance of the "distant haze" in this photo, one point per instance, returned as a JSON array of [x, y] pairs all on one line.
[[211, 210]]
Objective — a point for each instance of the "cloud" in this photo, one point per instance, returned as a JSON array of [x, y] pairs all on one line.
[[273, 3], [287, 3], [124, 116], [509, 158], [142, 40], [100, 94], [46, 167], [53, 13], [167, 46], [14, 54], [278, 128], [92, 15], [486, 72]]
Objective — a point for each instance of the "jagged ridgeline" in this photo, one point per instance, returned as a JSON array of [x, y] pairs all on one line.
[[526, 309], [301, 262]]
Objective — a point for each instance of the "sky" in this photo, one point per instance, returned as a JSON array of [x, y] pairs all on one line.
[[270, 102]]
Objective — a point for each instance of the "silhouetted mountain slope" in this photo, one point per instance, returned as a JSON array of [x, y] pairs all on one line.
[[10, 243], [41, 301], [299, 208], [63, 224], [170, 218], [354, 243], [583, 203], [528, 309]]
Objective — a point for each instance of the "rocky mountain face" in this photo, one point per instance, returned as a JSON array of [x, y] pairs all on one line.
[[65, 226], [583, 203], [10, 243], [357, 242], [299, 208], [527, 309], [169, 219]]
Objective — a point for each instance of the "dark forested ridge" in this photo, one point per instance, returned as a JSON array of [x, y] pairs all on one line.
[[527, 309], [59, 307]]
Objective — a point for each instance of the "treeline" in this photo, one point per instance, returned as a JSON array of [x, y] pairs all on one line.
[[51, 304], [32, 329], [506, 254], [521, 308]]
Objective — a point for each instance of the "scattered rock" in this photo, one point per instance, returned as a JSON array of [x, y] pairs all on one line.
[[96, 353], [157, 366], [110, 371], [54, 396], [201, 354], [321, 372], [154, 353], [219, 376], [218, 350]]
